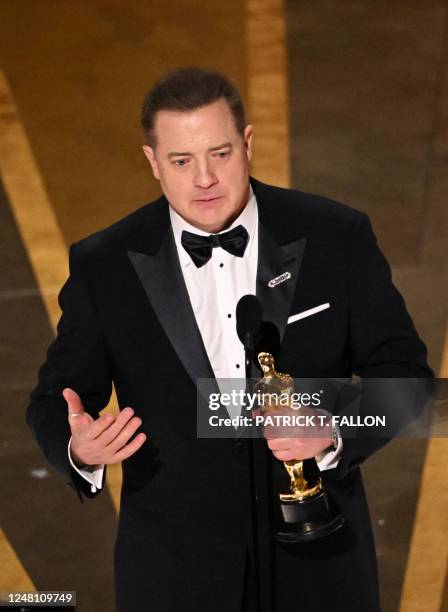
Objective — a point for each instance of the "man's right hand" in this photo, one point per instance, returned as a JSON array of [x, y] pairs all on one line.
[[102, 440]]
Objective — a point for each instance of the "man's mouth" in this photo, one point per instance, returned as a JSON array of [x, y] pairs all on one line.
[[207, 199]]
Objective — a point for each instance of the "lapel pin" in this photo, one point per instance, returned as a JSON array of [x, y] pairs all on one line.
[[279, 279]]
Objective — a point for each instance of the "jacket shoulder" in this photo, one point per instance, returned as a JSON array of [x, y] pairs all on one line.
[[126, 232], [315, 207], [291, 212]]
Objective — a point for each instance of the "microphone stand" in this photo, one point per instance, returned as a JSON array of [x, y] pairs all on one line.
[[248, 358]]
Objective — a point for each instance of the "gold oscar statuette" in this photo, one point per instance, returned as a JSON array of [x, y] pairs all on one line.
[[306, 512]]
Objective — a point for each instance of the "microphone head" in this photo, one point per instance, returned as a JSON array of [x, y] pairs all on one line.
[[249, 316]]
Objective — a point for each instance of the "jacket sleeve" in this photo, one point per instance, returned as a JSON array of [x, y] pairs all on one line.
[[78, 359], [384, 344]]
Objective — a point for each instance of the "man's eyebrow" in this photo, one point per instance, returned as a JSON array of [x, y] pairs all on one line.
[[184, 154], [226, 144]]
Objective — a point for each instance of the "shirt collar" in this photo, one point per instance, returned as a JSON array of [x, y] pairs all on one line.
[[248, 218]]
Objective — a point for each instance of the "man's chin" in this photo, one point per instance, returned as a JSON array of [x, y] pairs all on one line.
[[211, 221], [212, 227]]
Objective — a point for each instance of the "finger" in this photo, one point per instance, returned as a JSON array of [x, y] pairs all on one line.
[[287, 455], [73, 400], [100, 425], [130, 448], [79, 423], [78, 419], [276, 433], [110, 433], [279, 444], [124, 435]]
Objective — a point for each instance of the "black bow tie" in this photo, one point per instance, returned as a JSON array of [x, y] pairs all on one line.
[[200, 248]]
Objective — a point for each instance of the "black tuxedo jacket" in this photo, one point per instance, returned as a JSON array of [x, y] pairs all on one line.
[[185, 522]]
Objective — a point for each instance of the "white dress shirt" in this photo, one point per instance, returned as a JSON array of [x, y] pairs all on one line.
[[214, 290]]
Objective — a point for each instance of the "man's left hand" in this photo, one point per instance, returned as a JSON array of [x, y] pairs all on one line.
[[298, 449], [296, 442]]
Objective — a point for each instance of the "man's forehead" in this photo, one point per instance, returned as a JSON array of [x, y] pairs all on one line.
[[209, 125]]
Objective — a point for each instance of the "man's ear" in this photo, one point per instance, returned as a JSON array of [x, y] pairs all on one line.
[[248, 131], [150, 156]]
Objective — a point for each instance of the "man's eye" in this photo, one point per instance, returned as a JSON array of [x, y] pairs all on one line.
[[222, 154], [180, 162]]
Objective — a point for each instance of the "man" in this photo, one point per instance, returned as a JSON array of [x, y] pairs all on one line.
[[150, 306]]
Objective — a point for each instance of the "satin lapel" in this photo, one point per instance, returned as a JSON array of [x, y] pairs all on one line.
[[163, 282], [273, 261]]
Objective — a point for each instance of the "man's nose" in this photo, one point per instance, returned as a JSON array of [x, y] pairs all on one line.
[[205, 177]]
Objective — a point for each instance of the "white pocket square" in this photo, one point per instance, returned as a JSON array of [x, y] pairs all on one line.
[[308, 313]]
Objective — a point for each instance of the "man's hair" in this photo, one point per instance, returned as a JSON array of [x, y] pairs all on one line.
[[187, 89]]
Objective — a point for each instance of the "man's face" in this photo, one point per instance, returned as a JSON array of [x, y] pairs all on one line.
[[202, 163]]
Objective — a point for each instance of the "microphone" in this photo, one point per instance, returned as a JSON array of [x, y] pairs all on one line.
[[255, 334], [249, 317]]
